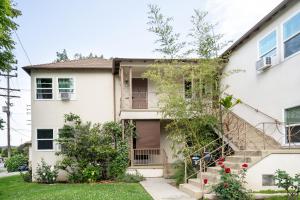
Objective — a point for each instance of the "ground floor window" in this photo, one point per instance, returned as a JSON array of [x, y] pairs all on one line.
[[292, 127], [45, 139]]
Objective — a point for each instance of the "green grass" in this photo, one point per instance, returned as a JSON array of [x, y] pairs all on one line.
[[13, 188]]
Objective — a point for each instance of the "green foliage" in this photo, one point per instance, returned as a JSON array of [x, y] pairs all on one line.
[[91, 173], [114, 130], [231, 186], [13, 163], [92, 152], [7, 15], [290, 184], [27, 176], [46, 173], [228, 103], [79, 56], [62, 56], [131, 178], [179, 169], [119, 164], [161, 27]]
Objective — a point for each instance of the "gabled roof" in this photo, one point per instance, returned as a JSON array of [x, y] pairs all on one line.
[[89, 63], [257, 26]]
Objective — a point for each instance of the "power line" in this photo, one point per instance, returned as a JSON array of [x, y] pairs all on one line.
[[26, 54]]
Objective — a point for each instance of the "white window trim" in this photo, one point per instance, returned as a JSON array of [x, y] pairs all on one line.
[[73, 94], [53, 140], [284, 126], [265, 35], [35, 88], [282, 39]]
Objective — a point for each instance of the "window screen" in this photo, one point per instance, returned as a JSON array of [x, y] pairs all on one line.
[[44, 139], [291, 35]]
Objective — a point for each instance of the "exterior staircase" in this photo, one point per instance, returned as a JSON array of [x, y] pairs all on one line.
[[195, 185], [241, 143]]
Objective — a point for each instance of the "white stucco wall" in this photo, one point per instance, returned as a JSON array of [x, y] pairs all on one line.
[[93, 102], [268, 166], [273, 90]]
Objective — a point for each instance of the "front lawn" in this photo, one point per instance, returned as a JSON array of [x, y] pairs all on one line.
[[13, 188]]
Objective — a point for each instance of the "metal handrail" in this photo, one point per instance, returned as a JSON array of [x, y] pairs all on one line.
[[255, 109], [231, 140]]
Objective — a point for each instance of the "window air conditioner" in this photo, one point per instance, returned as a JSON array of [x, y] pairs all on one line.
[[263, 63], [65, 96]]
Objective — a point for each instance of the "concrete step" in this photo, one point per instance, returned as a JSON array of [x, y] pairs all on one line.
[[248, 153], [233, 165], [212, 178], [241, 159], [192, 190]]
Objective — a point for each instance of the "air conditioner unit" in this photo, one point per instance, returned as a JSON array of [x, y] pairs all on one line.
[[263, 63], [65, 96]]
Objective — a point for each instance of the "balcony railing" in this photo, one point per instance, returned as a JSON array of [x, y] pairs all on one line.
[[149, 156], [140, 100]]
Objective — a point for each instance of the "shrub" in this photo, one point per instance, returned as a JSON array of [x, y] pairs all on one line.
[[92, 152], [91, 173], [46, 173], [290, 184], [13, 163], [131, 178], [179, 171], [119, 164], [231, 186], [27, 176]]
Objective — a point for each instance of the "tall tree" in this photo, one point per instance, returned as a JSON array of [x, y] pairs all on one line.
[[189, 92], [8, 13], [169, 42], [62, 56]]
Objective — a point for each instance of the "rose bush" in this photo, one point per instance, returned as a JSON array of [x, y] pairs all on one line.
[[231, 185]]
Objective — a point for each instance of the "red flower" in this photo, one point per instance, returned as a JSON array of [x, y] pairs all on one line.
[[220, 163], [227, 170], [245, 165], [222, 166], [221, 159], [225, 185], [205, 181]]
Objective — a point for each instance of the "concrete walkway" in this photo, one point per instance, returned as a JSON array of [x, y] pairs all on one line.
[[159, 189], [5, 174]]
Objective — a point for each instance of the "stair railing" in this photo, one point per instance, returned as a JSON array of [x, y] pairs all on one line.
[[237, 132]]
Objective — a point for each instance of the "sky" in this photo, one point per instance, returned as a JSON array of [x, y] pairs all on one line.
[[113, 28]]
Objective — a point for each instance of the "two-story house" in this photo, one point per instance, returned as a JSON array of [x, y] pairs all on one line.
[[102, 90], [98, 90]]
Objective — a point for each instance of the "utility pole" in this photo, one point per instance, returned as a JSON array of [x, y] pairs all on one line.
[[6, 108]]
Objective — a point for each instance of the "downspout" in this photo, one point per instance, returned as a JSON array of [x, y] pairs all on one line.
[[114, 89]]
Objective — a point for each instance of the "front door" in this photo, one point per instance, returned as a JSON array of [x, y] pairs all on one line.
[[139, 93]]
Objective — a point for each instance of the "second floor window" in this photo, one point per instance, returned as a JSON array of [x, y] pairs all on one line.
[[291, 35], [44, 88], [65, 85], [267, 46]]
